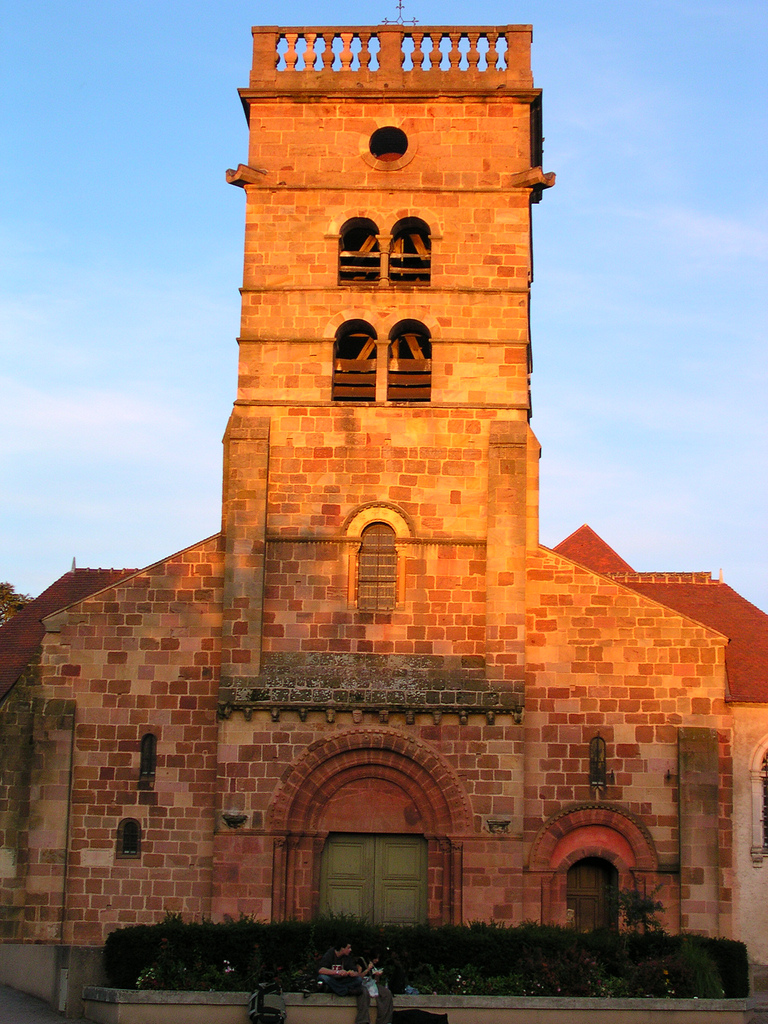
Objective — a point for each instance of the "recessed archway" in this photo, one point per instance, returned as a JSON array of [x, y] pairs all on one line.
[[367, 753], [405, 788], [586, 832]]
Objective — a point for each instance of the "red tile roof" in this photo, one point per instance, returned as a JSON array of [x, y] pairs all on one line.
[[698, 596], [585, 547], [20, 637]]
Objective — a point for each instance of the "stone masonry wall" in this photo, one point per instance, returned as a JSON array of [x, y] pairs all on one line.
[[140, 657], [480, 762], [36, 766], [604, 660]]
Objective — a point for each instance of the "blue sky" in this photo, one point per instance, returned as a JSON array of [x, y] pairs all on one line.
[[121, 256]]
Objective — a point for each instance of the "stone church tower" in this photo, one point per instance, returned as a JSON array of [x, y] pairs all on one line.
[[374, 692], [380, 482]]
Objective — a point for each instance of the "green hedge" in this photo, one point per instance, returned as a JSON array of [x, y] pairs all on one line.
[[733, 964], [474, 958]]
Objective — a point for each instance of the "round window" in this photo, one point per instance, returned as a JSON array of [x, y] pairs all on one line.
[[388, 143]]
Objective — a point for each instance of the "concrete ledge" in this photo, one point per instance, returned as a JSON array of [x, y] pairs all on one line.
[[125, 1006], [56, 974]]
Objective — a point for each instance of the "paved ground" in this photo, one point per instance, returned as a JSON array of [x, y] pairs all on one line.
[[18, 1008]]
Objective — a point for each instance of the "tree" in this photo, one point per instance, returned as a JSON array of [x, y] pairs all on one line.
[[11, 601], [639, 911]]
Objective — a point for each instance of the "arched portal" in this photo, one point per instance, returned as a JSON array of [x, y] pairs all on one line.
[[590, 835], [369, 802]]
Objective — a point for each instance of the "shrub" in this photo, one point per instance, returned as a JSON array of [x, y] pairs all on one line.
[[732, 963], [639, 911], [706, 977], [667, 977], [477, 959]]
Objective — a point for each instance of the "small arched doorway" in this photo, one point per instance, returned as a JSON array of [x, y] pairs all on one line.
[[590, 886]]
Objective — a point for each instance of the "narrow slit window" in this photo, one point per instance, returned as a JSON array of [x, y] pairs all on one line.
[[377, 569], [409, 370], [129, 838], [410, 256], [354, 363], [359, 252], [597, 763], [148, 757]]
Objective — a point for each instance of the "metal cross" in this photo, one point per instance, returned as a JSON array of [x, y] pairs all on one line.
[[400, 20]]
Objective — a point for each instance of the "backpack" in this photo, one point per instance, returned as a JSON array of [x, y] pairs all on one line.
[[266, 1005]]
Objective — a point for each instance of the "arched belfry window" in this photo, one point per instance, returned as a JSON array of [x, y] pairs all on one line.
[[410, 255], [409, 370], [354, 363], [377, 569], [129, 838], [359, 253], [148, 759], [597, 763]]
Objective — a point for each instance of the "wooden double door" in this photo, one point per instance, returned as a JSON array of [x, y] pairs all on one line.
[[590, 892], [378, 878]]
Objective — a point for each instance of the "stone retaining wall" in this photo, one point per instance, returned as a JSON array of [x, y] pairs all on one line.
[[122, 1006]]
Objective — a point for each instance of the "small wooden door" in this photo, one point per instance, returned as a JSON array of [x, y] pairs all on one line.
[[589, 886], [381, 879]]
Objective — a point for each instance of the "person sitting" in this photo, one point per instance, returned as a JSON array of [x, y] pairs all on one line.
[[343, 976]]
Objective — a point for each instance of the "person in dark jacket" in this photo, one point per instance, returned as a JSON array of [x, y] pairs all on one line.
[[344, 976]]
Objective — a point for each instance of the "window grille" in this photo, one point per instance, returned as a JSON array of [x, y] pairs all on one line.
[[377, 569]]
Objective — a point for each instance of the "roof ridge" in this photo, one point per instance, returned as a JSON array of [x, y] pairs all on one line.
[[702, 577]]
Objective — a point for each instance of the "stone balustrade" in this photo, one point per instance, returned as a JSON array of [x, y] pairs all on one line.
[[296, 56]]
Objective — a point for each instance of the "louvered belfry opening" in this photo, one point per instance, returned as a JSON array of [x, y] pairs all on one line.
[[359, 253], [354, 363], [410, 256], [377, 569], [409, 376]]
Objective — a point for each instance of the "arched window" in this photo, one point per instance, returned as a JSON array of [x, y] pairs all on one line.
[[354, 363], [758, 774], [597, 763], [410, 255], [148, 758], [377, 569], [129, 838], [359, 253], [409, 371]]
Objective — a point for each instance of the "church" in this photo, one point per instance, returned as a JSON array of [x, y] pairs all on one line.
[[374, 691]]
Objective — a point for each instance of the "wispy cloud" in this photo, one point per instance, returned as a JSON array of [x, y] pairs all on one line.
[[86, 422], [706, 235]]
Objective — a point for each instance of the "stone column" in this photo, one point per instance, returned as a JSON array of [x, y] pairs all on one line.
[[698, 813], [505, 578], [246, 459]]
